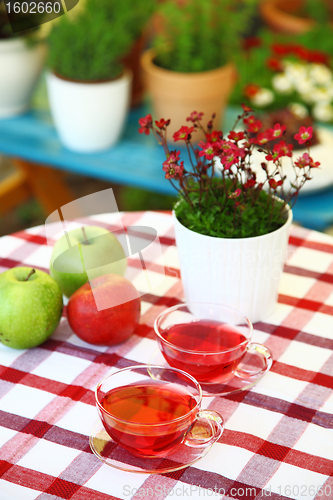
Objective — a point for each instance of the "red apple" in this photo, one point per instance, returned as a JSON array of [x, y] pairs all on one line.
[[106, 326]]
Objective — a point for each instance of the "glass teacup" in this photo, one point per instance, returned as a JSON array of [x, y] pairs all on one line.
[[151, 410], [210, 342]]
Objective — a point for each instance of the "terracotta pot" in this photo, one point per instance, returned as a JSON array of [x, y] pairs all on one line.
[[281, 16], [175, 95]]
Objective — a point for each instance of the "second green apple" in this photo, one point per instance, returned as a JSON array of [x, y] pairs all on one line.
[[93, 249]]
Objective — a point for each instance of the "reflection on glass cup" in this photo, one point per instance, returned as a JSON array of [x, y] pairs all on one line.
[[210, 342], [151, 410]]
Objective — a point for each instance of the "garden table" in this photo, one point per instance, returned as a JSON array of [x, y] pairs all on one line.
[[278, 439]]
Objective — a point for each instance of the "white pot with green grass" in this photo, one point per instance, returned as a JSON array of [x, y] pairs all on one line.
[[20, 68], [89, 86]]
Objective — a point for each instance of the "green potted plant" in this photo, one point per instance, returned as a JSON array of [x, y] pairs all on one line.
[[191, 62], [89, 86], [295, 16], [22, 56], [232, 230]]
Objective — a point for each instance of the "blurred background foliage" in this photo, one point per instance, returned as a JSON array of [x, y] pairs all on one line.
[[130, 198]]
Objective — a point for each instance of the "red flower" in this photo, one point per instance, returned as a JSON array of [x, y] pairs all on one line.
[[249, 183], [162, 123], [282, 49], [250, 90], [302, 52], [215, 136], [279, 150], [183, 134], [246, 108], [313, 164], [194, 116], [171, 167], [272, 156], [174, 171], [253, 124], [275, 184], [235, 194], [250, 42], [173, 157], [317, 57], [274, 64], [284, 149], [276, 132], [146, 124], [236, 136], [208, 150], [306, 161], [230, 154], [304, 135], [261, 139]]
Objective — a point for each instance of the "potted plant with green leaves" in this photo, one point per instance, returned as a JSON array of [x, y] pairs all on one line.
[[232, 230], [296, 16], [191, 62], [89, 87], [22, 56]]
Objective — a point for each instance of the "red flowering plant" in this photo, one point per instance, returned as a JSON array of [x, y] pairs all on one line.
[[218, 190]]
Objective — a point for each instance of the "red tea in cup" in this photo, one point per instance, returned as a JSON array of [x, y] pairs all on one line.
[[205, 336], [151, 403], [150, 411], [208, 341]]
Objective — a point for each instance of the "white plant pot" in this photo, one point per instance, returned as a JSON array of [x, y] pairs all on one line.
[[20, 68], [89, 117], [242, 273]]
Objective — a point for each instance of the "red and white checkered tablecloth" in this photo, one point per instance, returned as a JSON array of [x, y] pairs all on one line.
[[278, 439]]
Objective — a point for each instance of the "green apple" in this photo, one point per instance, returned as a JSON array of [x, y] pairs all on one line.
[[93, 249], [31, 306]]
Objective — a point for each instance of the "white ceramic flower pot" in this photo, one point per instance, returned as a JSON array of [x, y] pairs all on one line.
[[20, 68], [89, 117], [242, 273]]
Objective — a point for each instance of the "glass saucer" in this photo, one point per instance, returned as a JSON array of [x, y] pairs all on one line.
[[112, 454], [234, 385]]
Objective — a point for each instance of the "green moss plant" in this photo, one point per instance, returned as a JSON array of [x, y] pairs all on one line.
[[201, 35], [91, 45]]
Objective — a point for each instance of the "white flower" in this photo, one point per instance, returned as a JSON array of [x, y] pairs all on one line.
[[305, 86], [298, 110], [321, 95], [282, 84], [306, 97], [320, 73], [329, 89], [323, 112], [295, 72], [263, 97]]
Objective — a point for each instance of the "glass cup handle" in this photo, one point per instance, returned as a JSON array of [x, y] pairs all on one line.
[[261, 351], [206, 430]]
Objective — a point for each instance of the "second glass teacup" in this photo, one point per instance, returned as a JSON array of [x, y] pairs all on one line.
[[210, 342], [151, 410]]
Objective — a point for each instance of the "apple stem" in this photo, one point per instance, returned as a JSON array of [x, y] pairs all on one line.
[[31, 272], [85, 242]]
